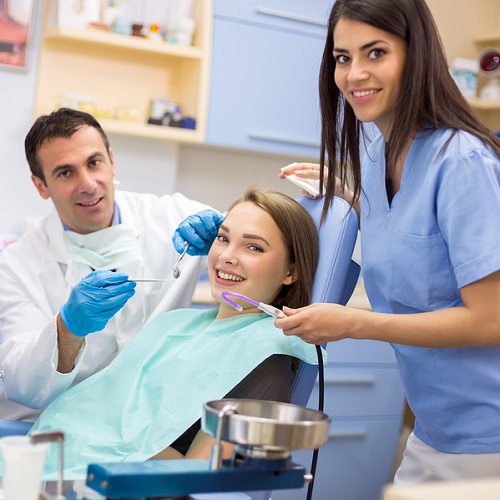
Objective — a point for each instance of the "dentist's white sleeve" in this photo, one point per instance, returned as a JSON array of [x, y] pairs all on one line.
[[30, 368]]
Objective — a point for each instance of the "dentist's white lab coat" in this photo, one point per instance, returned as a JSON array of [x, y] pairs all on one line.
[[34, 284]]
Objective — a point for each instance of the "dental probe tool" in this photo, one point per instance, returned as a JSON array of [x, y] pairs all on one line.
[[177, 271], [151, 280], [268, 309]]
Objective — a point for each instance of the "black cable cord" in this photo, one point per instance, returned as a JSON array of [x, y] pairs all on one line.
[[321, 402]]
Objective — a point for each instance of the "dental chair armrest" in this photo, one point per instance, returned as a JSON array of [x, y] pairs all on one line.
[[14, 427]]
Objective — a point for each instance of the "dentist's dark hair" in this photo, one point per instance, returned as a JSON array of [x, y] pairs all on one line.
[[428, 94], [300, 236], [62, 123]]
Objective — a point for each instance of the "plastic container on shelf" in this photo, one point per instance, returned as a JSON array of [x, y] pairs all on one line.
[[464, 72]]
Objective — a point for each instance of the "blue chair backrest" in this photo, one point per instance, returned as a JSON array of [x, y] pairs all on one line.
[[336, 275]]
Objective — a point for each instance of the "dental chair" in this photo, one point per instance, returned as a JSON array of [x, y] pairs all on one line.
[[14, 427], [335, 279]]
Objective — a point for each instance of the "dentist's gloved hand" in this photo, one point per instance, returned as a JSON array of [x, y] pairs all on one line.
[[94, 300], [199, 230]]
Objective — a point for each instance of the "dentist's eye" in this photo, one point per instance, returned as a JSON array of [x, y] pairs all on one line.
[[64, 173]]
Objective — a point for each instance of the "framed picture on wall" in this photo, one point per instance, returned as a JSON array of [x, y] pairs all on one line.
[[15, 22]]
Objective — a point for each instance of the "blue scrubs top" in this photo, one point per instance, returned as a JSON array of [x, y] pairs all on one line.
[[440, 232]]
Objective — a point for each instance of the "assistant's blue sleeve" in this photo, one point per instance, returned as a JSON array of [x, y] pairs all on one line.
[[468, 204]]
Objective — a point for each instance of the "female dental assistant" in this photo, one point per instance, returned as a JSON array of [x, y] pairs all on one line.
[[428, 195]]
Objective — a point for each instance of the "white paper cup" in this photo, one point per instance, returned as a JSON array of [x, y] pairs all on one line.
[[23, 464]]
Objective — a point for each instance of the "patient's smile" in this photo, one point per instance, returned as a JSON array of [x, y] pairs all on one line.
[[230, 277]]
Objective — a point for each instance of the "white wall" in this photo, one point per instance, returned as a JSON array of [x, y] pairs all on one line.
[[145, 165], [17, 98], [218, 177]]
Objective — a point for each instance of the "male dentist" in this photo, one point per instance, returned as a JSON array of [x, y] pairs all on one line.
[[68, 302]]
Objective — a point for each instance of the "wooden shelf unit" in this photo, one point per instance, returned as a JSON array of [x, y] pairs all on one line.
[[127, 71]]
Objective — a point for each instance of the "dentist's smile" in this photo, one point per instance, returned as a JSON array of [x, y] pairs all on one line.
[[90, 204]]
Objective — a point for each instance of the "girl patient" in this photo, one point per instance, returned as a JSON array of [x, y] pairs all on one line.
[[148, 402]]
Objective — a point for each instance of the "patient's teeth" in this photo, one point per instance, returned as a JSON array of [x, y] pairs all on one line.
[[230, 277]]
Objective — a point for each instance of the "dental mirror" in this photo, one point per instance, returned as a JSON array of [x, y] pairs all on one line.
[[177, 271]]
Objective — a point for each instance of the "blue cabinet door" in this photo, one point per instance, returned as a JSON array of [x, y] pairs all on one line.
[[365, 398], [308, 16], [264, 90], [364, 391], [354, 464]]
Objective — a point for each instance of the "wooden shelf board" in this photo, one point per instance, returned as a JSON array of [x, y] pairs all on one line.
[[109, 39], [145, 130], [477, 103], [493, 38]]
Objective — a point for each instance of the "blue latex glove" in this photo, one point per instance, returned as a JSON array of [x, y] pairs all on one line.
[[199, 230], [94, 300]]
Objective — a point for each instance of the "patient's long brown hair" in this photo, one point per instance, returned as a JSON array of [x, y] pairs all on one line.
[[300, 237]]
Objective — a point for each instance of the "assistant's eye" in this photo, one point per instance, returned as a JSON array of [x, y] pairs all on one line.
[[376, 53], [341, 59]]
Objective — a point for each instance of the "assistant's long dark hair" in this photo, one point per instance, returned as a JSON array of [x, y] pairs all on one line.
[[428, 94]]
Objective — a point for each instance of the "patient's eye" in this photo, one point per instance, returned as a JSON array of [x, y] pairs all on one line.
[[255, 248]]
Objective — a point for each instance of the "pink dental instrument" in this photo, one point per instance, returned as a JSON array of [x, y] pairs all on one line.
[[268, 309]]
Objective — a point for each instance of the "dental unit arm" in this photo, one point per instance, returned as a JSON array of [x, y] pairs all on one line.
[[264, 434]]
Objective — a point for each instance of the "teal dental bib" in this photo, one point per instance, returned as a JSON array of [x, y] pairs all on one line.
[[156, 387]]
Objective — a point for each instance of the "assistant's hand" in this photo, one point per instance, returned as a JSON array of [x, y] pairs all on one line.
[[94, 300], [311, 171], [304, 171], [199, 230], [316, 323]]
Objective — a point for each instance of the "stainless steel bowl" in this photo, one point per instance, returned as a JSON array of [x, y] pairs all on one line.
[[267, 425]]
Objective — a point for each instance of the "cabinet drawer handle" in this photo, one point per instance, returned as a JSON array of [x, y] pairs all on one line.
[[347, 435], [349, 380], [294, 17], [286, 140]]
